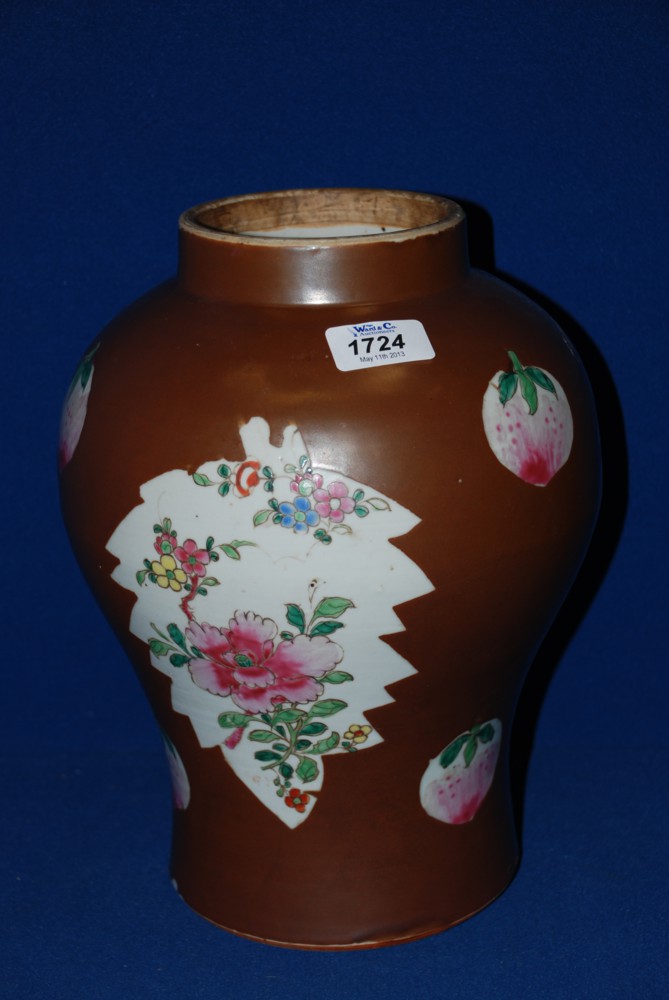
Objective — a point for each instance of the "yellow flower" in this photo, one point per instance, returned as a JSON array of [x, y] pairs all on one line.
[[167, 574], [357, 734]]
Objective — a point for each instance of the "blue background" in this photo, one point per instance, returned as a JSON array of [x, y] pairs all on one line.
[[548, 121]]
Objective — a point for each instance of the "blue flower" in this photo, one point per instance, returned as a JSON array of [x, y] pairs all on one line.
[[298, 515]]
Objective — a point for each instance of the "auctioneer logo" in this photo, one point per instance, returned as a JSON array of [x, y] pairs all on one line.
[[372, 328]]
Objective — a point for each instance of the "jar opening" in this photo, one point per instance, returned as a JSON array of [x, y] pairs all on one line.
[[323, 214]]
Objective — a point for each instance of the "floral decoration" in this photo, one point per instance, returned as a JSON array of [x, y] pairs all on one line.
[[278, 685], [274, 680], [315, 504]]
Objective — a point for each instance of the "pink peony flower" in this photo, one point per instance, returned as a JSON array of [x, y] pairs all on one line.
[[334, 502], [243, 662], [192, 559]]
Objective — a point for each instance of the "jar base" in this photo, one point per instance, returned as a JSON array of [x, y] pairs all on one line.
[[380, 941]]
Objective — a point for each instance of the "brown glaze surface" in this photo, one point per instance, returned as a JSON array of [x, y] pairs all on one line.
[[247, 318]]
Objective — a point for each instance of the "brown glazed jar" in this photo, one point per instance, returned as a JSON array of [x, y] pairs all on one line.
[[330, 487]]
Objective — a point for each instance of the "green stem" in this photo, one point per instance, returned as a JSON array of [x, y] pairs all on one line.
[[517, 367], [294, 733]]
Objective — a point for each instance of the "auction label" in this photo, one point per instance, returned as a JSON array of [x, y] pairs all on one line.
[[388, 342]]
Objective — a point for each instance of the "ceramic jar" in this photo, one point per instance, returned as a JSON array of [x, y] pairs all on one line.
[[330, 487]]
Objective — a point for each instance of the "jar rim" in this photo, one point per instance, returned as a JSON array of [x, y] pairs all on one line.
[[272, 218]]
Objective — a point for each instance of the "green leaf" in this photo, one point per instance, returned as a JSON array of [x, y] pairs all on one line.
[[326, 628], [330, 706], [201, 591], [324, 746], [233, 720], [267, 472], [453, 749], [223, 471], [322, 536], [287, 636], [337, 677], [361, 511], [303, 744], [313, 729], [176, 635], [242, 660], [140, 575], [268, 486], [224, 489], [486, 733], [230, 551], [267, 755], [200, 479], [378, 503], [541, 378], [508, 384], [289, 715], [209, 581], [304, 461], [332, 607], [261, 736], [274, 503], [209, 543], [261, 517], [239, 542], [289, 469], [307, 769], [295, 616], [470, 750], [286, 771], [157, 529], [358, 495], [158, 648], [280, 747], [528, 391], [281, 730], [86, 372], [179, 660]]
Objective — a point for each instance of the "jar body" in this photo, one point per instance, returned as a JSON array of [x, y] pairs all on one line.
[[331, 584]]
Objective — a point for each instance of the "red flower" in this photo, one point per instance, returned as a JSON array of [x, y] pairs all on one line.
[[245, 478], [164, 543], [192, 559], [297, 800]]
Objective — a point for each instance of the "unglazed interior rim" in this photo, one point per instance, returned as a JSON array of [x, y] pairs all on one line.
[[406, 215]]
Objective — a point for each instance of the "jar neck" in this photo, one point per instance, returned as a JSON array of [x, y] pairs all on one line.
[[322, 246]]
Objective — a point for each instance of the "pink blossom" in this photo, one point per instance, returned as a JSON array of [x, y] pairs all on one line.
[[305, 483], [192, 559], [334, 502], [243, 662], [164, 543]]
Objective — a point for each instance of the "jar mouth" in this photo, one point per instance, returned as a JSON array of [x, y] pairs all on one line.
[[322, 216]]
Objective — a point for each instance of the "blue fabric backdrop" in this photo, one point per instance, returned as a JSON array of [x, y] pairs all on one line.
[[549, 122]]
